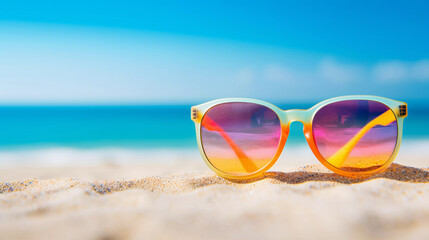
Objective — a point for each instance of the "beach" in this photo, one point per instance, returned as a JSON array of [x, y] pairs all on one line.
[[179, 198], [109, 112]]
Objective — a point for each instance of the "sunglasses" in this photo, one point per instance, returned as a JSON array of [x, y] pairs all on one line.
[[354, 136]]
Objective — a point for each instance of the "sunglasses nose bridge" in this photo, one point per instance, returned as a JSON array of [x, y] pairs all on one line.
[[299, 115], [295, 115]]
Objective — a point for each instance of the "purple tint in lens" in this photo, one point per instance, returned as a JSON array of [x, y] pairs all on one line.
[[240, 138], [355, 135]]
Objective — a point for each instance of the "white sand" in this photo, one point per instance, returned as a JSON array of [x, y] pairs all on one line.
[[182, 199]]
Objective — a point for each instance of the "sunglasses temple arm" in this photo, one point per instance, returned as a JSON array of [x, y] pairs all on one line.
[[247, 164], [341, 155]]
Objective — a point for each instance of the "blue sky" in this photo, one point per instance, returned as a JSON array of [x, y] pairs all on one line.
[[168, 51]]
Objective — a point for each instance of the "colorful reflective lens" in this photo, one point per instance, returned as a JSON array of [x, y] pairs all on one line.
[[240, 138], [355, 135]]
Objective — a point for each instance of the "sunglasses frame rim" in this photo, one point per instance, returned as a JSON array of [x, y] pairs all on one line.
[[288, 116]]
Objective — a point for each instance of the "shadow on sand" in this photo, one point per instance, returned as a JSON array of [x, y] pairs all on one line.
[[395, 172]]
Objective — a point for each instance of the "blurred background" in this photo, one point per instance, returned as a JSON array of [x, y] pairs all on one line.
[[123, 75]]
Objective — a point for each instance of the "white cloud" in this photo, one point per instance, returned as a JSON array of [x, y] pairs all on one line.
[[392, 71], [245, 76], [334, 71], [397, 71], [278, 73], [330, 70], [420, 70]]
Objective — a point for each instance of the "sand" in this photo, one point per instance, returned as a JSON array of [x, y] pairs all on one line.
[[184, 200]]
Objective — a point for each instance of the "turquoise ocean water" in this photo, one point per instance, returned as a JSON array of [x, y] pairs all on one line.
[[132, 126]]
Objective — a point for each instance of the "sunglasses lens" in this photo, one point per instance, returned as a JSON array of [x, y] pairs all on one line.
[[240, 138], [355, 135]]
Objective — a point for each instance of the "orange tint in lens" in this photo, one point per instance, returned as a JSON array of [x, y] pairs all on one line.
[[355, 135], [240, 138]]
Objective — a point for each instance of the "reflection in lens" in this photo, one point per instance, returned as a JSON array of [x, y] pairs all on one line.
[[240, 138], [355, 135]]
